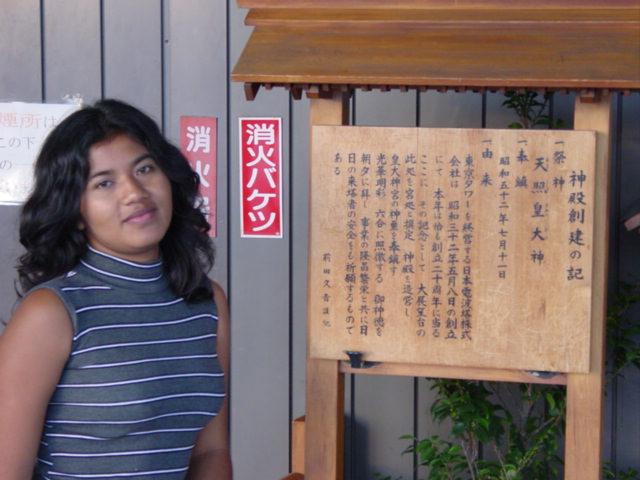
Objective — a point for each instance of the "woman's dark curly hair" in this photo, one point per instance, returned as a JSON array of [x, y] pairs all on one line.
[[50, 217]]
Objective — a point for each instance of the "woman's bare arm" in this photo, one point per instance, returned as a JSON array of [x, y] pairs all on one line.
[[34, 348], [211, 457]]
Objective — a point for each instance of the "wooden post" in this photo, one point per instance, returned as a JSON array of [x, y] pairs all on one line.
[[297, 445], [583, 452], [324, 424]]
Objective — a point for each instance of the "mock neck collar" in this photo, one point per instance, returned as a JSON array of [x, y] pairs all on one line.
[[120, 269]]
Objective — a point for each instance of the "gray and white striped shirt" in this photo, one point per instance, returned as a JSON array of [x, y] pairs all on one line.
[[142, 379]]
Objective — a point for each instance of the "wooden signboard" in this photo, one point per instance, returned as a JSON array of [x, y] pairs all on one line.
[[459, 247]]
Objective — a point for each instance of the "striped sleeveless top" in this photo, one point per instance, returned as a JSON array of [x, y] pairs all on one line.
[[142, 378]]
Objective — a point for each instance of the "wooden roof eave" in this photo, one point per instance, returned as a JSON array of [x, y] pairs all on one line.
[[318, 51]]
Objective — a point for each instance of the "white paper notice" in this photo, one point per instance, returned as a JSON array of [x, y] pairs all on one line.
[[23, 128]]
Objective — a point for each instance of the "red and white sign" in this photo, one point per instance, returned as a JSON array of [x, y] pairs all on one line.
[[198, 142], [261, 177]]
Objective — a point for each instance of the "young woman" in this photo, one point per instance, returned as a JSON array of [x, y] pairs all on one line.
[[114, 363]]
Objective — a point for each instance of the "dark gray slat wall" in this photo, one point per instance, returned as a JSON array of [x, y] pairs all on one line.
[[20, 78], [260, 289], [625, 425], [260, 284], [271, 273], [610, 446], [450, 109], [20, 71], [72, 56], [299, 165], [195, 84], [260, 359], [133, 53]]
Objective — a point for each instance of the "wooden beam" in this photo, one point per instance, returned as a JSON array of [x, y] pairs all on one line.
[[324, 429], [297, 444], [330, 111], [437, 4], [464, 373], [324, 419], [332, 18], [585, 392]]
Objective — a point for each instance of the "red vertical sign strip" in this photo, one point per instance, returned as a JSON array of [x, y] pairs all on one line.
[[261, 177], [198, 142]]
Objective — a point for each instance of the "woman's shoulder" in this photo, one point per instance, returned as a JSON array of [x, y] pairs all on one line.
[[217, 290], [48, 300], [220, 298], [41, 314], [41, 299]]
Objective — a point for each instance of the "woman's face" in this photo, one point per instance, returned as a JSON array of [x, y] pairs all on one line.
[[126, 207]]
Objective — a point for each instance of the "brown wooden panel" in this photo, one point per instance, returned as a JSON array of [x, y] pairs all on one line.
[[481, 46], [568, 57], [332, 18], [459, 247], [466, 373]]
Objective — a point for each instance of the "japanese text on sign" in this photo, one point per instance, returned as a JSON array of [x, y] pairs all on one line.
[[451, 246], [198, 142], [261, 177], [23, 128]]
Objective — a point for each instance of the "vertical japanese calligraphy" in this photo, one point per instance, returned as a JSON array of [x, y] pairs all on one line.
[[451, 246], [198, 142], [261, 177]]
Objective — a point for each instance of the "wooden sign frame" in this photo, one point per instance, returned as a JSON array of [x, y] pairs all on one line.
[[362, 44], [452, 246], [324, 427]]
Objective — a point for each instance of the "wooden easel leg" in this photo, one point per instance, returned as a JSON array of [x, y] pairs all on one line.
[[324, 429], [583, 448], [324, 423], [585, 392]]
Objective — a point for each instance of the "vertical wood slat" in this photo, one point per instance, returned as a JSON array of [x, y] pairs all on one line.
[[324, 419], [585, 396], [195, 77], [299, 247], [259, 289], [20, 80], [625, 437], [72, 49], [133, 54], [20, 52]]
